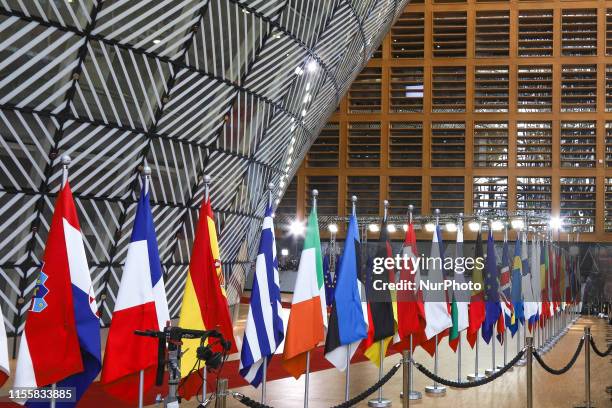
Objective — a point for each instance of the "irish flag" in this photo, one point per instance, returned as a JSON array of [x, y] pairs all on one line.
[[308, 318], [204, 304]]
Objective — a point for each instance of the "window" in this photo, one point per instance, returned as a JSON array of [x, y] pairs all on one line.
[[608, 144], [492, 33], [407, 89], [327, 201], [579, 32], [579, 88], [288, 204], [490, 194], [408, 36], [449, 34], [578, 204], [608, 88], [367, 190], [447, 194], [534, 144], [608, 205], [448, 94], [534, 194], [447, 144], [535, 83], [491, 89], [403, 191], [365, 92], [364, 144], [378, 53], [405, 144], [325, 149], [578, 140], [490, 144], [535, 33], [609, 32]]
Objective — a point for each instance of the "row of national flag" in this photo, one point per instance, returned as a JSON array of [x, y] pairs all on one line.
[[61, 343], [516, 291], [525, 289]]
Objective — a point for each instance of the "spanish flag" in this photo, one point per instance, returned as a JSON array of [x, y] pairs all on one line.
[[204, 304]]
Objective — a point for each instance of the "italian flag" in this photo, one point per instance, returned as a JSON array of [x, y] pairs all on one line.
[[308, 318]]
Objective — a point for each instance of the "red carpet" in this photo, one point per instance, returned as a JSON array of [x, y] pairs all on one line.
[[96, 397]]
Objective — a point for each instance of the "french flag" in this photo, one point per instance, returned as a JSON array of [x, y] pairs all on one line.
[[61, 340], [141, 305]]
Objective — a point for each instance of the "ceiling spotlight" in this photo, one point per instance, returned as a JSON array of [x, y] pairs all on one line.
[[298, 71], [430, 227], [556, 223], [333, 228], [391, 228], [373, 228], [156, 41], [297, 228], [284, 252], [474, 226], [451, 227], [307, 86], [277, 201], [517, 223], [405, 227], [312, 66], [303, 112], [307, 98], [497, 225]]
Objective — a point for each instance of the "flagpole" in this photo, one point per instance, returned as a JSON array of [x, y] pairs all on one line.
[[65, 164], [381, 402], [207, 180], [348, 346], [476, 376], [307, 379], [459, 225], [437, 390]]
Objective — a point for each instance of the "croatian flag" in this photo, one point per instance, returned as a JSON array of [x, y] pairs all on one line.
[[264, 330], [61, 339], [141, 305]]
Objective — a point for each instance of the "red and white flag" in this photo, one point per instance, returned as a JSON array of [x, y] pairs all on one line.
[[5, 370]]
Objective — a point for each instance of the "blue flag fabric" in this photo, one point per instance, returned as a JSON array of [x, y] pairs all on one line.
[[351, 324], [492, 305], [330, 283], [517, 291], [264, 330]]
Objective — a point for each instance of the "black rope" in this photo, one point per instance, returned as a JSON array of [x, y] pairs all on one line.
[[472, 384], [599, 353], [360, 397], [564, 369], [249, 402]]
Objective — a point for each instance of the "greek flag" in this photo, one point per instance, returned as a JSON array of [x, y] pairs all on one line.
[[264, 330]]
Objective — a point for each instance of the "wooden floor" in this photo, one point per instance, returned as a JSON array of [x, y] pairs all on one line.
[[509, 391]]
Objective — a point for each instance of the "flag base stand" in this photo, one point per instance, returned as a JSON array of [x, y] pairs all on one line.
[[379, 403], [490, 371], [475, 377], [412, 395], [435, 390]]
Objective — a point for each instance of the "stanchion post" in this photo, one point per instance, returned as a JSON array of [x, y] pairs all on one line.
[[221, 400], [587, 368], [406, 378], [476, 376], [529, 351]]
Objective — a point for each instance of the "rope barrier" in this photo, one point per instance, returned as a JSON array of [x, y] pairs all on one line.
[[472, 384], [249, 402], [371, 390], [564, 369], [600, 353]]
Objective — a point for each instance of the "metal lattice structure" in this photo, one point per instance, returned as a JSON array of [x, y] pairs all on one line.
[[235, 89]]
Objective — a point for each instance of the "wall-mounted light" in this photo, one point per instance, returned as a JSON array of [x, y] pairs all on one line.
[[474, 226], [373, 228], [517, 223], [333, 228], [391, 228]]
